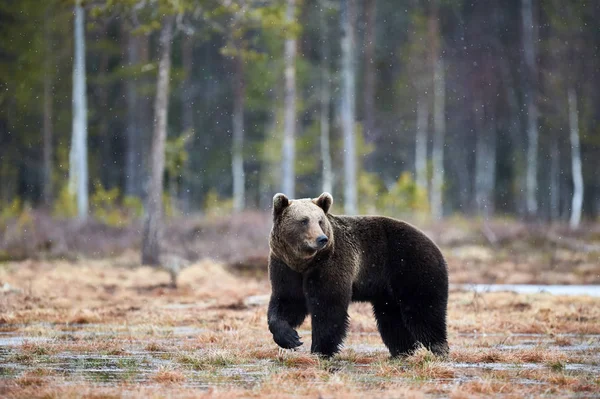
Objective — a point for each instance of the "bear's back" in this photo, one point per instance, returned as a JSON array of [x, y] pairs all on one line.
[[379, 249]]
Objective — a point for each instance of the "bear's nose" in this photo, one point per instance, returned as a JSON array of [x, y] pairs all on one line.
[[322, 240]]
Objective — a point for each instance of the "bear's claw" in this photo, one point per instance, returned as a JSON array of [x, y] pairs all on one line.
[[287, 339]]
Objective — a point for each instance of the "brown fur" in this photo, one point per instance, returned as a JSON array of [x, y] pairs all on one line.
[[384, 261]]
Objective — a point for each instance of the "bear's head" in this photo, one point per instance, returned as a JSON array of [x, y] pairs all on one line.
[[301, 229]]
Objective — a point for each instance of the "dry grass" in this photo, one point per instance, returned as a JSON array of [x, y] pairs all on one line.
[[165, 376], [486, 388], [98, 329], [520, 252], [530, 355], [154, 347]]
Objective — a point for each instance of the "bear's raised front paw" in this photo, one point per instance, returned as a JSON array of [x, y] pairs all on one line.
[[285, 336]]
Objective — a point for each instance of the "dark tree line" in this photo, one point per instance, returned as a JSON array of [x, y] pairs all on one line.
[[491, 106]]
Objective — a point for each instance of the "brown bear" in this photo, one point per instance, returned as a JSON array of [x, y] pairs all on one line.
[[320, 262]]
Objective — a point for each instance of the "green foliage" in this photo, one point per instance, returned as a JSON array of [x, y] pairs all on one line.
[[169, 207], [176, 153], [11, 211], [369, 188], [22, 213], [23, 220], [107, 207], [404, 197], [133, 206], [65, 205], [104, 205], [306, 148], [216, 206], [240, 24]]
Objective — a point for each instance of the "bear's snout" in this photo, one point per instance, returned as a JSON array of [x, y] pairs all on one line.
[[322, 240]]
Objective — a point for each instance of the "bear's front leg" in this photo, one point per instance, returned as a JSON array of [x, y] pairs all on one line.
[[287, 306], [328, 305], [283, 316]]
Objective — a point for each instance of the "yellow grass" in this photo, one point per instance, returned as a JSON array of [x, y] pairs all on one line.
[[167, 342]]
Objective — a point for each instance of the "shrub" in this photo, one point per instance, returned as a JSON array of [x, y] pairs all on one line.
[[65, 205], [108, 209], [11, 210], [403, 197], [104, 205], [216, 206]]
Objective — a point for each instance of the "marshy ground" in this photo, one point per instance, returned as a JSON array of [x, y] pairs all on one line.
[[105, 328]]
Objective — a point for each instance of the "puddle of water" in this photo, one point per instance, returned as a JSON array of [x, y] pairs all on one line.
[[7, 339], [90, 331], [139, 366], [569, 348], [569, 290], [587, 368], [367, 348], [476, 335]]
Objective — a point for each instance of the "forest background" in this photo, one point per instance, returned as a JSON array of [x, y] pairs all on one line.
[[118, 111]]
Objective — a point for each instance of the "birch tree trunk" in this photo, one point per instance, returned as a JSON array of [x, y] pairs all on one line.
[[439, 118], [237, 163], [144, 116], [554, 181], [110, 176], [289, 128], [153, 215], [78, 168], [327, 175], [369, 84], [437, 153], [187, 118], [577, 201], [348, 16], [47, 184], [421, 142], [485, 164], [133, 148], [530, 89]]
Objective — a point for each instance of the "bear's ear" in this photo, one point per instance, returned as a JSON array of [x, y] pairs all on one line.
[[280, 202], [324, 201]]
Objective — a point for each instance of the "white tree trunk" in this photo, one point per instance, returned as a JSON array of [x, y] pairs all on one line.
[[327, 174], [153, 215], [485, 168], [529, 40], [439, 128], [439, 111], [554, 181], [370, 15], [78, 167], [577, 201], [421, 142], [133, 150], [237, 162], [187, 120], [348, 16], [47, 192], [289, 125]]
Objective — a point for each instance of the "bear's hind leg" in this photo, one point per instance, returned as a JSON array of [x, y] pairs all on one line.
[[328, 307], [428, 328], [394, 333]]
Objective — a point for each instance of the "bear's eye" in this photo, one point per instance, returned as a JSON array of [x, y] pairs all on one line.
[[304, 222], [321, 222]]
